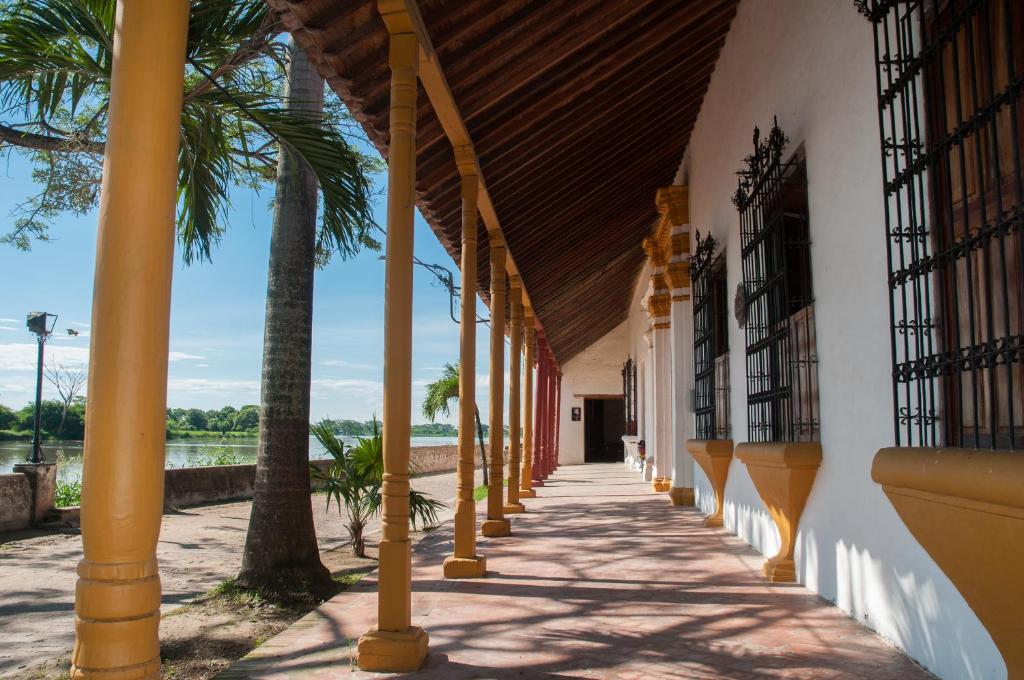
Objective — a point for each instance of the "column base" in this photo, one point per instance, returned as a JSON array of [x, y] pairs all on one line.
[[714, 521], [496, 528], [779, 571], [465, 567], [661, 485], [681, 495], [398, 652], [514, 508], [527, 493]]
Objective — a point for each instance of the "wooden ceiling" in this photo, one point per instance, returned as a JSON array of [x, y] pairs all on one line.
[[579, 111]]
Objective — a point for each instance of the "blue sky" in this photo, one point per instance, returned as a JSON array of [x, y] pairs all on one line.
[[217, 312]]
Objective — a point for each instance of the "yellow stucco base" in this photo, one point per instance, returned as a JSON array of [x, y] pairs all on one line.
[[681, 495], [496, 528], [514, 508], [966, 508], [465, 567], [714, 457], [398, 652], [783, 474], [661, 485], [527, 493]]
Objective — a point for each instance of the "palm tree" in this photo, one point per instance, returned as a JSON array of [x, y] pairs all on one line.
[[438, 399], [354, 479], [253, 111], [55, 60], [281, 552]]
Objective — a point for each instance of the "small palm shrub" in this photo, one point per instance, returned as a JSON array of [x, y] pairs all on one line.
[[354, 478]]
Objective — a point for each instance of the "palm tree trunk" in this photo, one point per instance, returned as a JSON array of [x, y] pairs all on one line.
[[281, 554], [483, 450]]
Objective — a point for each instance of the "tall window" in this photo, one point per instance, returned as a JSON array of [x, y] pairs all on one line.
[[629, 394], [776, 302], [710, 341], [951, 110]]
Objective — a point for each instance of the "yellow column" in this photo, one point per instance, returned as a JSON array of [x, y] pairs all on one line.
[[117, 599], [496, 524], [526, 481], [465, 563], [395, 644], [514, 404]]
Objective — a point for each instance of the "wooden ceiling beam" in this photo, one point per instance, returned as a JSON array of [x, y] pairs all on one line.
[[435, 84]]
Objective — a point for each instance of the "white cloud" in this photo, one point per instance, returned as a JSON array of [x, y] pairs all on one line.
[[213, 386], [349, 364], [352, 386], [21, 356], [181, 356]]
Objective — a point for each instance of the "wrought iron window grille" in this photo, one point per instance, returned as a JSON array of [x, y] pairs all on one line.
[[950, 83], [629, 395], [781, 355], [710, 340]]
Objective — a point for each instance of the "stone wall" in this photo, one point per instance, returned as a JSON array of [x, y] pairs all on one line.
[[15, 502]]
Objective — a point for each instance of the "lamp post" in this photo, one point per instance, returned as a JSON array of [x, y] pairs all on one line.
[[37, 323]]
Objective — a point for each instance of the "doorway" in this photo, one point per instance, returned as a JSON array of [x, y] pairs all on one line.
[[604, 423]]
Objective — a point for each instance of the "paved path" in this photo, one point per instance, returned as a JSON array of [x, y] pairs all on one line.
[[601, 579], [199, 548]]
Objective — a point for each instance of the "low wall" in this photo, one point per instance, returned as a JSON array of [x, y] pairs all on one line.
[[216, 484], [15, 502], [195, 486]]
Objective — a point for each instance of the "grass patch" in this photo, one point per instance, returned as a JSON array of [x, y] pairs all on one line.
[[69, 494], [480, 492]]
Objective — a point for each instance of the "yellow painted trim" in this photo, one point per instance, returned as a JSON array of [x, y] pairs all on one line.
[[783, 474], [681, 495], [966, 509], [714, 457]]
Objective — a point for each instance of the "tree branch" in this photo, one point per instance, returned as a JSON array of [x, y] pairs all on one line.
[[31, 140]]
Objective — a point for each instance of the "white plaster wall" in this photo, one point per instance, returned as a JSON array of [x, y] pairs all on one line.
[[596, 371], [811, 62]]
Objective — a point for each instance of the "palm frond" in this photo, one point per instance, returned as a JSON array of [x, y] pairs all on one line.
[[440, 393], [204, 173]]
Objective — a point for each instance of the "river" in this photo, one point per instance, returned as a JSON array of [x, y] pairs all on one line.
[[179, 452]]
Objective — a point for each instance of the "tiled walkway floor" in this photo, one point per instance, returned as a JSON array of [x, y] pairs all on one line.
[[601, 579]]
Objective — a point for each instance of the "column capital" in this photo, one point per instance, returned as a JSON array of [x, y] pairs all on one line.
[[673, 203], [465, 160], [396, 17]]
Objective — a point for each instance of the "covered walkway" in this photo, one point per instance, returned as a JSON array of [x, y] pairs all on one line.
[[601, 579]]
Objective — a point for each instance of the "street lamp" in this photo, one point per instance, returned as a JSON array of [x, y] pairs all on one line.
[[37, 323]]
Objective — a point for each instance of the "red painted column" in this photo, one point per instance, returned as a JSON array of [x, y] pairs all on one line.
[[551, 413], [558, 416], [539, 414]]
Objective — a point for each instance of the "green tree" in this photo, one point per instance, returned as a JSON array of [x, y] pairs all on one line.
[[354, 479], [440, 394], [195, 419], [247, 419], [55, 60], [8, 418], [252, 112]]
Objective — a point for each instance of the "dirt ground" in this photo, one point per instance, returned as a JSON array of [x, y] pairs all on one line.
[[199, 550]]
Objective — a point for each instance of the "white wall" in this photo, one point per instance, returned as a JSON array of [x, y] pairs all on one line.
[[811, 62], [596, 371]]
